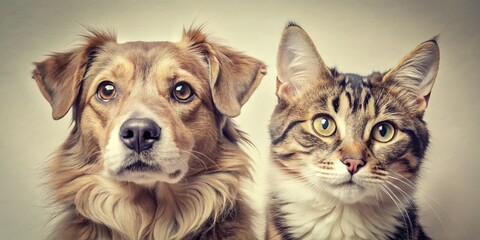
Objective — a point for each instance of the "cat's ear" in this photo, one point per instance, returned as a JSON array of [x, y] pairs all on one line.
[[298, 63], [416, 72]]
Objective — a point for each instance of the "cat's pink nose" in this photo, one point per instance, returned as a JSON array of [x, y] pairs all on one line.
[[353, 165]]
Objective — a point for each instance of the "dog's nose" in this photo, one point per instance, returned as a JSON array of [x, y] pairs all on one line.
[[139, 134]]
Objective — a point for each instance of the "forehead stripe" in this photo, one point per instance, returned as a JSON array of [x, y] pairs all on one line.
[[282, 137], [349, 97], [335, 104], [366, 100]]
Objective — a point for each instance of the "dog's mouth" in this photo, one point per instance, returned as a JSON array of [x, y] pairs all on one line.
[[141, 166], [140, 171]]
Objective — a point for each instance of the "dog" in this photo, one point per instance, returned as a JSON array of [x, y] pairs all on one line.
[[153, 152]]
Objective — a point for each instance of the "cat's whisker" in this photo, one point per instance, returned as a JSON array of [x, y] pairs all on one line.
[[372, 181], [405, 180], [376, 196], [405, 195], [319, 186], [301, 178], [414, 186], [323, 188], [382, 200], [400, 207], [424, 194]]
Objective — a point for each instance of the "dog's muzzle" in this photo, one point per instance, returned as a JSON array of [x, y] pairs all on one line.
[[140, 134], [141, 151]]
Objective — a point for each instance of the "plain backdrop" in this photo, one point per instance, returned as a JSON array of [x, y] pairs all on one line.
[[354, 36]]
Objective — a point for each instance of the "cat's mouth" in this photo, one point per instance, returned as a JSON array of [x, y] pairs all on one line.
[[349, 191], [349, 183]]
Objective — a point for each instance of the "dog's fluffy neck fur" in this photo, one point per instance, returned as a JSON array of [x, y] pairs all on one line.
[[93, 204]]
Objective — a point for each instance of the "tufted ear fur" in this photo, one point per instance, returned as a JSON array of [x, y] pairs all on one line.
[[233, 75], [298, 63], [59, 76], [416, 72]]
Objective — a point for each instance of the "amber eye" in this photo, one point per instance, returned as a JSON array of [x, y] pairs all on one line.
[[182, 92], [383, 132], [106, 91], [324, 126]]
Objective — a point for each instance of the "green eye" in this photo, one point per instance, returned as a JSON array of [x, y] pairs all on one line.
[[383, 132], [324, 126]]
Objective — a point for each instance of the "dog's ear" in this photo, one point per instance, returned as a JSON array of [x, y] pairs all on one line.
[[233, 75], [59, 76]]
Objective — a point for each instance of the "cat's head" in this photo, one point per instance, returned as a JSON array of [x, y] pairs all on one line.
[[348, 135]]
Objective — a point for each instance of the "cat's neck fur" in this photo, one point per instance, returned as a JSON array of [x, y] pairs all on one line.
[[313, 215]]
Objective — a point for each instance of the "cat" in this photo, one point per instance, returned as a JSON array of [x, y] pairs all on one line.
[[347, 149]]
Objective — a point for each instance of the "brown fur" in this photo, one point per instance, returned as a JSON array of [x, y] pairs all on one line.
[[206, 201]]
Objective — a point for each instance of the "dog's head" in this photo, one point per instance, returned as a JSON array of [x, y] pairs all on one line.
[[148, 111]]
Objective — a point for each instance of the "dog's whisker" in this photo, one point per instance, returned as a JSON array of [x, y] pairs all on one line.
[[193, 153]]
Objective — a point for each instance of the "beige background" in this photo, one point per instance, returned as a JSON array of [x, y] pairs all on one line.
[[355, 36]]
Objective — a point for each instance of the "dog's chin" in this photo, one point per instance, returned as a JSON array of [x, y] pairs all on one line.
[[149, 178], [144, 173]]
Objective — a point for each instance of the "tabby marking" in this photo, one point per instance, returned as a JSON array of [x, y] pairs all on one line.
[[347, 149]]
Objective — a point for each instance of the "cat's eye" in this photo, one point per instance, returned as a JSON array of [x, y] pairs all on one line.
[[182, 92], [324, 126], [106, 91], [383, 132]]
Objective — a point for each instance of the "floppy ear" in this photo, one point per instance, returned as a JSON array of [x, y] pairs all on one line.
[[233, 75], [416, 72], [298, 63], [59, 76]]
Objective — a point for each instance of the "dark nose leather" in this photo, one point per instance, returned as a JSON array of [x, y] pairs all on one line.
[[353, 165], [139, 134]]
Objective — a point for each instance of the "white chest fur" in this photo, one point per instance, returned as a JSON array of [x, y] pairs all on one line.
[[313, 215]]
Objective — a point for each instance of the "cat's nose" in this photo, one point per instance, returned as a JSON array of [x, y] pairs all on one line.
[[353, 165]]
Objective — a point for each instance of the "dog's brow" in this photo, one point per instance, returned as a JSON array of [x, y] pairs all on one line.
[[164, 69], [123, 68]]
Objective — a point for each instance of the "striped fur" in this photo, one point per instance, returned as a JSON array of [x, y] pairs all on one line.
[[313, 195]]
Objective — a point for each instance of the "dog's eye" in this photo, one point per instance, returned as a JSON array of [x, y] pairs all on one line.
[[106, 91], [182, 92]]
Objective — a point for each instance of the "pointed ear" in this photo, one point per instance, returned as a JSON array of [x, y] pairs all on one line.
[[298, 63], [416, 72], [59, 76], [233, 75]]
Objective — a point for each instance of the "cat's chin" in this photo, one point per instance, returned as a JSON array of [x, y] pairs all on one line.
[[349, 192]]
